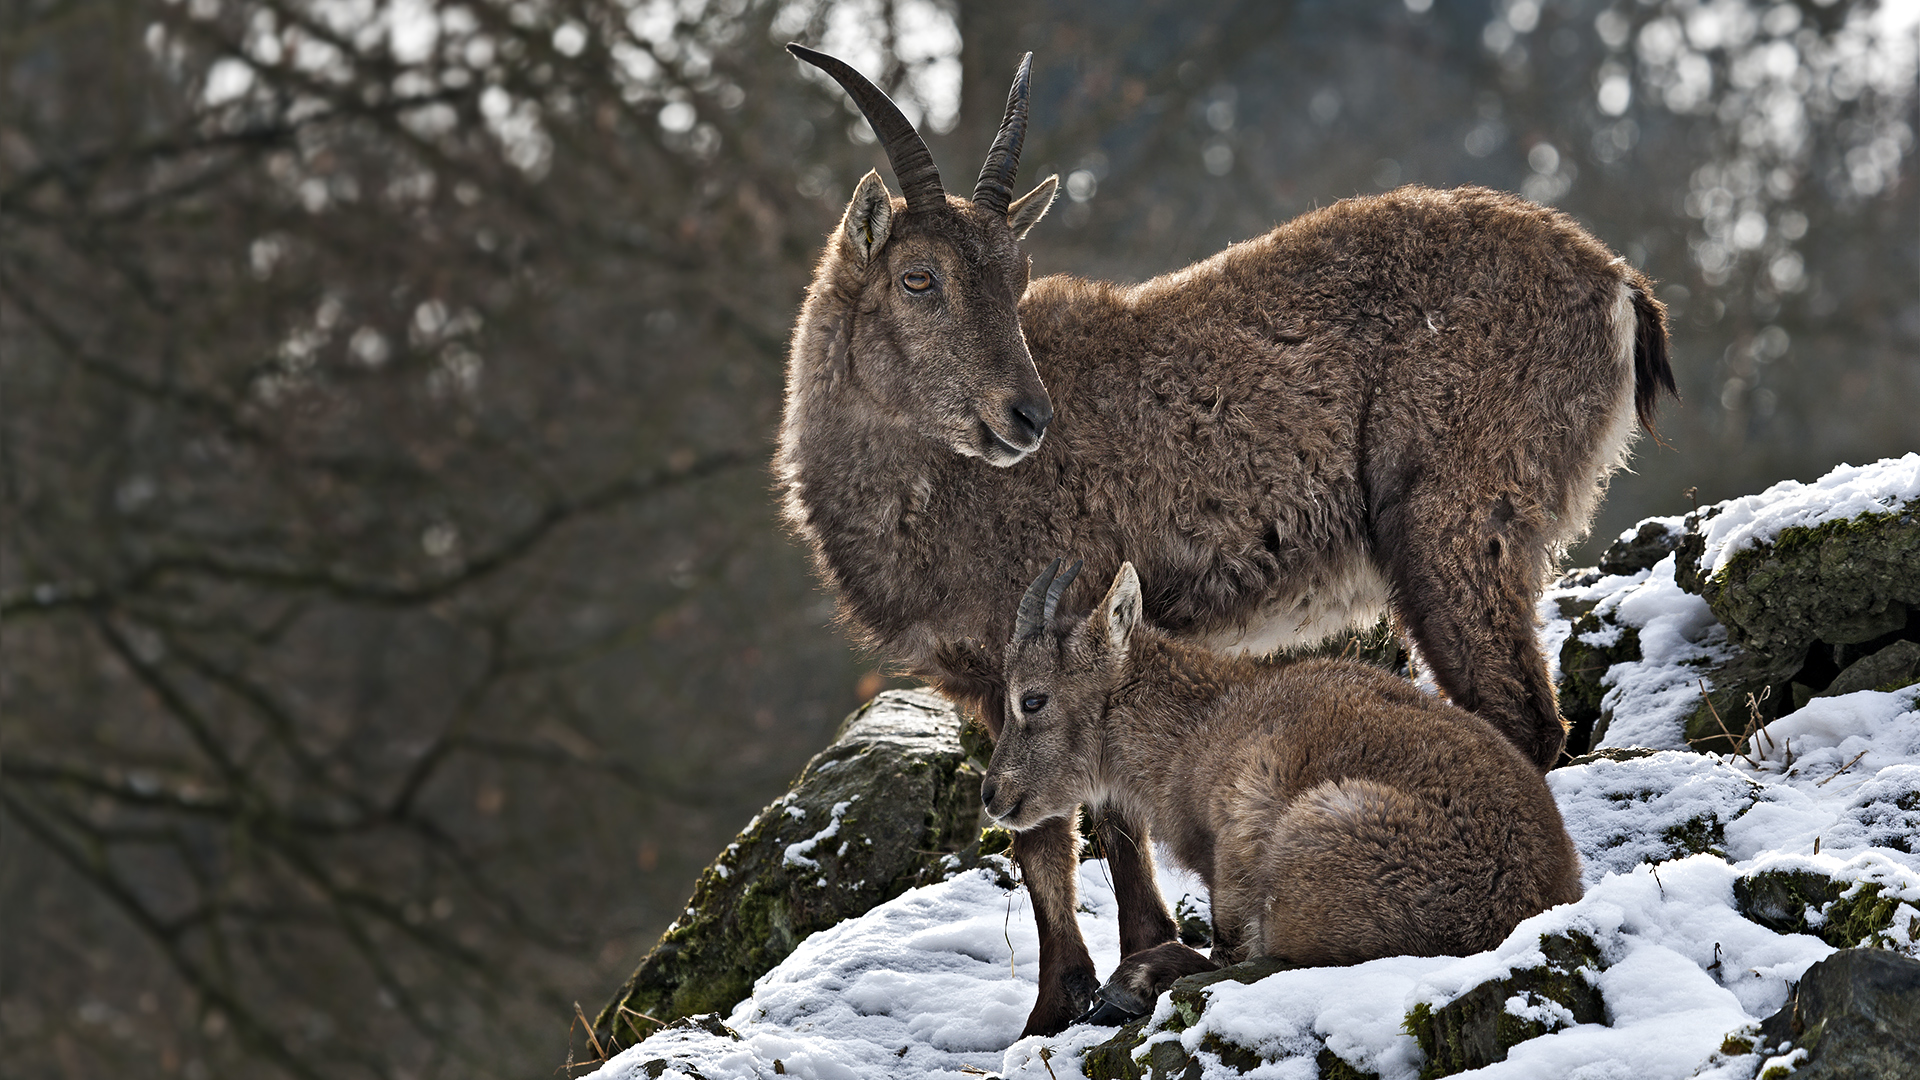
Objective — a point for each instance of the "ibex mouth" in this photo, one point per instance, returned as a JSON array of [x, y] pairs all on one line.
[[1000, 451]]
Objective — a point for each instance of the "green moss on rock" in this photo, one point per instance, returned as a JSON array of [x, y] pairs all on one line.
[[1583, 663], [892, 804], [1477, 1028], [1838, 582], [1843, 914]]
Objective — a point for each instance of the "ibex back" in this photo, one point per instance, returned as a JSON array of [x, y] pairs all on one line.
[[1409, 401], [1336, 813]]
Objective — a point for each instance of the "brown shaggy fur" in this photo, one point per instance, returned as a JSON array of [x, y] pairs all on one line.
[[1336, 813], [1407, 400]]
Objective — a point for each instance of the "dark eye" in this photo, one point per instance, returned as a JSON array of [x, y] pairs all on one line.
[[917, 280], [1033, 703]]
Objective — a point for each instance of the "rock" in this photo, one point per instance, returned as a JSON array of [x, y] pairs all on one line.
[[674, 1040], [1655, 539], [1595, 645], [1855, 1015], [892, 804], [1477, 1028], [1890, 668], [1840, 582], [1743, 694], [1844, 914], [1114, 1059]]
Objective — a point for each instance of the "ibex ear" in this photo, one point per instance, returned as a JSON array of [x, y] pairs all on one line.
[[1028, 209], [864, 228], [1120, 611]]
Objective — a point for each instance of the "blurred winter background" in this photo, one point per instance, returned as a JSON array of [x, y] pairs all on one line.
[[395, 614]]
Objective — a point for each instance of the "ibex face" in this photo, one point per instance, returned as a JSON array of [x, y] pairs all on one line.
[[1048, 759], [930, 286]]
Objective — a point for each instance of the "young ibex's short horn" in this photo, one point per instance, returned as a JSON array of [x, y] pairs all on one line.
[[1059, 589], [1034, 608]]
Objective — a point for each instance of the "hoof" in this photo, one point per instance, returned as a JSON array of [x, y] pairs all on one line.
[[1109, 1013], [1056, 1012]]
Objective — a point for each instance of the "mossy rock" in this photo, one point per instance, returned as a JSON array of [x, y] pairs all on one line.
[[1654, 540], [1477, 1028], [892, 804], [1844, 914], [1742, 694], [1596, 644], [1114, 1059], [1856, 1014], [1893, 667], [1839, 582]]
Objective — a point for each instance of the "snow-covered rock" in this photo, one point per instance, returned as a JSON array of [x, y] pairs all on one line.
[[1715, 881]]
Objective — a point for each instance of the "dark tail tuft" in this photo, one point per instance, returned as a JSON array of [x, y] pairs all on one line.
[[1651, 372]]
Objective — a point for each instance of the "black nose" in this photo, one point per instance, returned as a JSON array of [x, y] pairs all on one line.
[[987, 788], [1030, 418]]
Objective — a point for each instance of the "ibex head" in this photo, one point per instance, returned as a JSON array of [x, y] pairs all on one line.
[[1046, 761], [933, 282]]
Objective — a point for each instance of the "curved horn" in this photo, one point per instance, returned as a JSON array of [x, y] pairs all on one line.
[[995, 189], [1059, 589], [1032, 620], [906, 150]]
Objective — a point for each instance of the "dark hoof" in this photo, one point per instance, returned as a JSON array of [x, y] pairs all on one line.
[[1055, 1013], [1107, 1013]]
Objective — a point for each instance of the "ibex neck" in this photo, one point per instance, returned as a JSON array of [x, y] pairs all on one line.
[[1170, 691]]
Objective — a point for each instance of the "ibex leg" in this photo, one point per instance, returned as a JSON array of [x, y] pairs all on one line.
[[1144, 919], [1464, 586], [1049, 860]]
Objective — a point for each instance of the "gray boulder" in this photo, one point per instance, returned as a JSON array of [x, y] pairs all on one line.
[[1857, 1016], [894, 803]]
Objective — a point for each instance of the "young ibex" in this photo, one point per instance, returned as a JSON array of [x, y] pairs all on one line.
[[1409, 400], [1336, 813]]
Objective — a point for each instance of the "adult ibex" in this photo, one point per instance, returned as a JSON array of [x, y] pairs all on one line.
[[1410, 400], [1336, 813]]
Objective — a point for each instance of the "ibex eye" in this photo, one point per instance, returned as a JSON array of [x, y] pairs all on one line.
[[1033, 703], [917, 280]]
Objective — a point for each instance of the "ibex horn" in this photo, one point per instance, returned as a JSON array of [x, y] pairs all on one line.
[[995, 189], [906, 150], [1032, 620], [1059, 589]]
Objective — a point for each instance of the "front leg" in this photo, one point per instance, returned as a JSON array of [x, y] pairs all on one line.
[[1144, 919], [1049, 858]]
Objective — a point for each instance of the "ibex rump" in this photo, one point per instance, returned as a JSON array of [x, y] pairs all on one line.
[[1409, 400], [1336, 813]]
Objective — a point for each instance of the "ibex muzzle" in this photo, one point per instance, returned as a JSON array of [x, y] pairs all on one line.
[[935, 282]]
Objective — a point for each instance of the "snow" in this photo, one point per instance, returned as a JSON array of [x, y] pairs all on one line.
[[938, 982], [1679, 640], [800, 852], [1844, 493]]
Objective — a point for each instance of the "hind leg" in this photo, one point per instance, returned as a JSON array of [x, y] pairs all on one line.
[[1357, 870], [1464, 587], [1141, 978]]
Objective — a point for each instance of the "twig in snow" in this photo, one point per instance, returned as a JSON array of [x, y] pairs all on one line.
[[1843, 768]]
